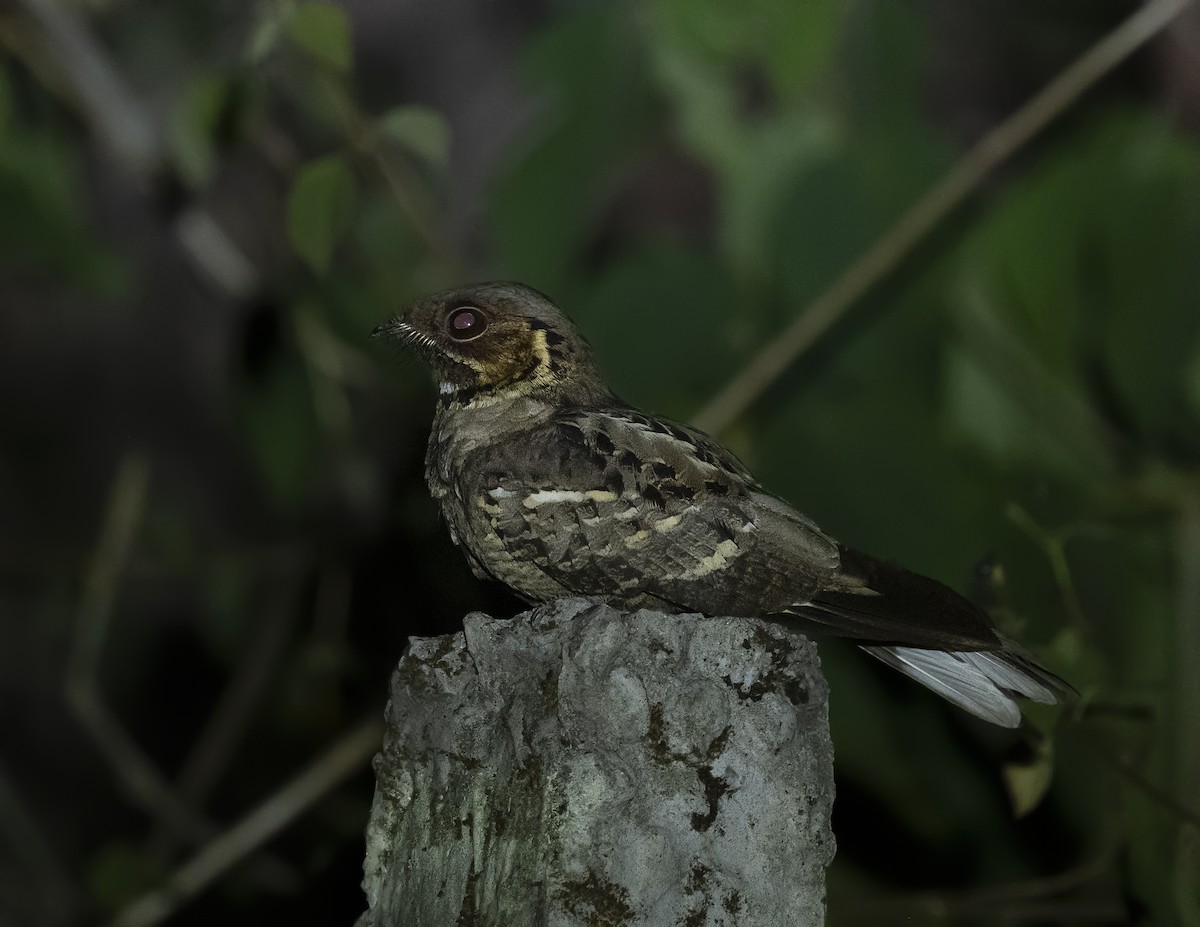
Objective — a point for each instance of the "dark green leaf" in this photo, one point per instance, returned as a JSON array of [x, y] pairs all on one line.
[[419, 129], [661, 323], [790, 42], [323, 30], [1027, 783], [194, 123], [320, 209], [1025, 260], [1146, 270], [44, 223], [542, 210]]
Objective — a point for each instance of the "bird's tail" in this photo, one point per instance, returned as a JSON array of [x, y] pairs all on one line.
[[984, 682]]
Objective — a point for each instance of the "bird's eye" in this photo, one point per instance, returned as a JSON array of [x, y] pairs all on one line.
[[466, 322]]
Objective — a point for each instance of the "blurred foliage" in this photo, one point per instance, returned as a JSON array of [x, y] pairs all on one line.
[[1017, 412]]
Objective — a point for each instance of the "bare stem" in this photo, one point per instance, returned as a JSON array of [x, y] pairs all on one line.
[[407, 192], [343, 759], [216, 745], [134, 770], [889, 252], [1053, 545], [1156, 793], [126, 504]]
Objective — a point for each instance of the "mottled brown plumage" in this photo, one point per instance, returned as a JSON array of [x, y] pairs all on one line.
[[555, 487]]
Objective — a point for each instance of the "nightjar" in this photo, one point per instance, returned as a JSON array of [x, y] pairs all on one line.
[[555, 487]]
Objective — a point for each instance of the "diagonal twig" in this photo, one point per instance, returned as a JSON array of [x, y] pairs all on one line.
[[133, 769], [126, 506], [215, 747], [887, 254], [343, 759]]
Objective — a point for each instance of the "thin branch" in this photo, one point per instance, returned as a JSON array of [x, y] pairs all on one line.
[[70, 59], [889, 252], [343, 759], [1053, 545], [405, 189], [1152, 790], [218, 257], [134, 770], [126, 506], [142, 781], [217, 743]]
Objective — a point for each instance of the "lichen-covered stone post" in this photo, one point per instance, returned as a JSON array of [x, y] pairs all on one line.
[[576, 765]]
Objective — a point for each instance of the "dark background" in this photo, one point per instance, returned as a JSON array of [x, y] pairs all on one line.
[[215, 536]]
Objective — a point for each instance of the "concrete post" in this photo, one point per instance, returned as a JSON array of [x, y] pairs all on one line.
[[576, 765]]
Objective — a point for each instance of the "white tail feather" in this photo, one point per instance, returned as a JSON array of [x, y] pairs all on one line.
[[981, 682]]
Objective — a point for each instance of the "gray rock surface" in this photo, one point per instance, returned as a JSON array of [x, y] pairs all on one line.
[[576, 765]]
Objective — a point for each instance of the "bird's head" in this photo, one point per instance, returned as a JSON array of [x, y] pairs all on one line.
[[497, 337]]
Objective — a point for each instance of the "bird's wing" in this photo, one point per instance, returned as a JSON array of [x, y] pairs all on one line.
[[616, 503], [619, 504], [882, 603], [630, 508]]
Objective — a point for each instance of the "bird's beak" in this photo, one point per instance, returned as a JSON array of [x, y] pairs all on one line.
[[392, 327], [398, 331]]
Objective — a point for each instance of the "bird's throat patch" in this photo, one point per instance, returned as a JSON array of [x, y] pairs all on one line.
[[510, 373]]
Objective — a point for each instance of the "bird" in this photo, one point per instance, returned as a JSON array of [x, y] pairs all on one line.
[[555, 487]]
